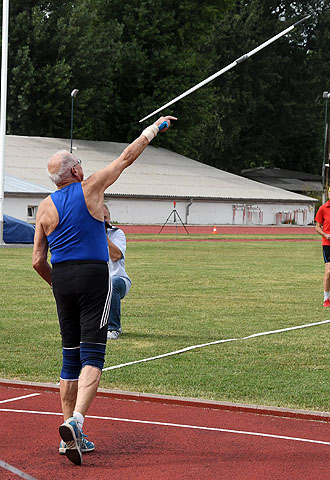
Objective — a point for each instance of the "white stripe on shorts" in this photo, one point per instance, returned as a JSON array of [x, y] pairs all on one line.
[[106, 310]]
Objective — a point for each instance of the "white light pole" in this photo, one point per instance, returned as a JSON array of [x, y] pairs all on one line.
[[73, 95], [4, 61]]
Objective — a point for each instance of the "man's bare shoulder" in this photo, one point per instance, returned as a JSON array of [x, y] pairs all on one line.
[[45, 204], [47, 215], [47, 212]]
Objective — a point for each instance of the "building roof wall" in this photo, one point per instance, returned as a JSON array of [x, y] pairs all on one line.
[[156, 173], [287, 179]]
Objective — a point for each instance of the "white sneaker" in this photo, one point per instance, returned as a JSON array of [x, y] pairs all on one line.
[[71, 436], [113, 335], [86, 445]]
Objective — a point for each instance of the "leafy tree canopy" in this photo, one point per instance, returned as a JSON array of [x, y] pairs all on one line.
[[128, 58]]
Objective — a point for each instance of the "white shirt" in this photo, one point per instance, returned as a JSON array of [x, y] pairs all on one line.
[[117, 269]]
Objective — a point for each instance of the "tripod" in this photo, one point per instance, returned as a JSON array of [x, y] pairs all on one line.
[[175, 213]]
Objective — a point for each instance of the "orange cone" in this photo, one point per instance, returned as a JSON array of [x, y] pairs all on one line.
[[214, 229]]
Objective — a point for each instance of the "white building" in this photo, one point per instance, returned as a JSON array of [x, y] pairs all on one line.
[[145, 192]]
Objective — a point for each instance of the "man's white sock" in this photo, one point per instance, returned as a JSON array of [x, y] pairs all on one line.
[[80, 419], [326, 295]]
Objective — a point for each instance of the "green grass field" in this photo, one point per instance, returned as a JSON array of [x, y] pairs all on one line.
[[183, 294]]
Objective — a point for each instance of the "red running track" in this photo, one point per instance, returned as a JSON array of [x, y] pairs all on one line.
[[154, 441], [222, 229], [236, 231]]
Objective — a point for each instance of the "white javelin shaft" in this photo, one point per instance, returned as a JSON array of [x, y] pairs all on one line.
[[225, 69]]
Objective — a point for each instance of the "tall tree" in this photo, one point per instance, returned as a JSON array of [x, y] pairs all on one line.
[[55, 47], [128, 58], [269, 105], [165, 50]]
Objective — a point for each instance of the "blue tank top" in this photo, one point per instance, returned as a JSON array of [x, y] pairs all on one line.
[[78, 235]]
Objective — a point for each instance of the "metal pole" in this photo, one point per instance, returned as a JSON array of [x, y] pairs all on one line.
[[325, 165], [228, 67], [3, 113], [71, 124], [73, 95]]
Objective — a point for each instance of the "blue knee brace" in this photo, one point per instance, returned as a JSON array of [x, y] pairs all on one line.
[[71, 364], [92, 354]]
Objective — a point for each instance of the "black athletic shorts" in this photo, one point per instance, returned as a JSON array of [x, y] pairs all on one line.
[[326, 253], [82, 292]]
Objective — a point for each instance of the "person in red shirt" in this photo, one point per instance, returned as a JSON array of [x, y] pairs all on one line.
[[322, 227]]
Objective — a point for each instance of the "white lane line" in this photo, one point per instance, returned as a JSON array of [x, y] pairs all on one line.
[[19, 398], [176, 352], [35, 412], [15, 470], [178, 425]]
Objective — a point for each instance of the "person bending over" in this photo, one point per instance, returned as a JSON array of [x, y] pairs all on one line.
[[121, 283]]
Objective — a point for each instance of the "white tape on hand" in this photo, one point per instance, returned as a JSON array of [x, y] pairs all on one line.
[[150, 132]]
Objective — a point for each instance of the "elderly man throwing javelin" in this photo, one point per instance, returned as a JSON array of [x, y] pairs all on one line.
[[70, 222]]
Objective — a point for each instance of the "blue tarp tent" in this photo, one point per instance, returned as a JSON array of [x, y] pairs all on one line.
[[17, 231]]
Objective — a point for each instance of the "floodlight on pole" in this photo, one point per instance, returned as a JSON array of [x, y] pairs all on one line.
[[326, 152], [73, 95], [3, 113]]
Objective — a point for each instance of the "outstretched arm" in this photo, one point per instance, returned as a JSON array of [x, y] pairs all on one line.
[[102, 179]]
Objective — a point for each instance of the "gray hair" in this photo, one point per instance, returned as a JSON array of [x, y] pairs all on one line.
[[67, 162]]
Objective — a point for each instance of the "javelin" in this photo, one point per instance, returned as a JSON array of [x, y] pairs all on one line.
[[228, 67]]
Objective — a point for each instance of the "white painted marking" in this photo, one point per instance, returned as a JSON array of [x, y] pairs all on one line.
[[176, 352], [35, 412], [286, 329], [178, 425], [19, 398], [15, 470]]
